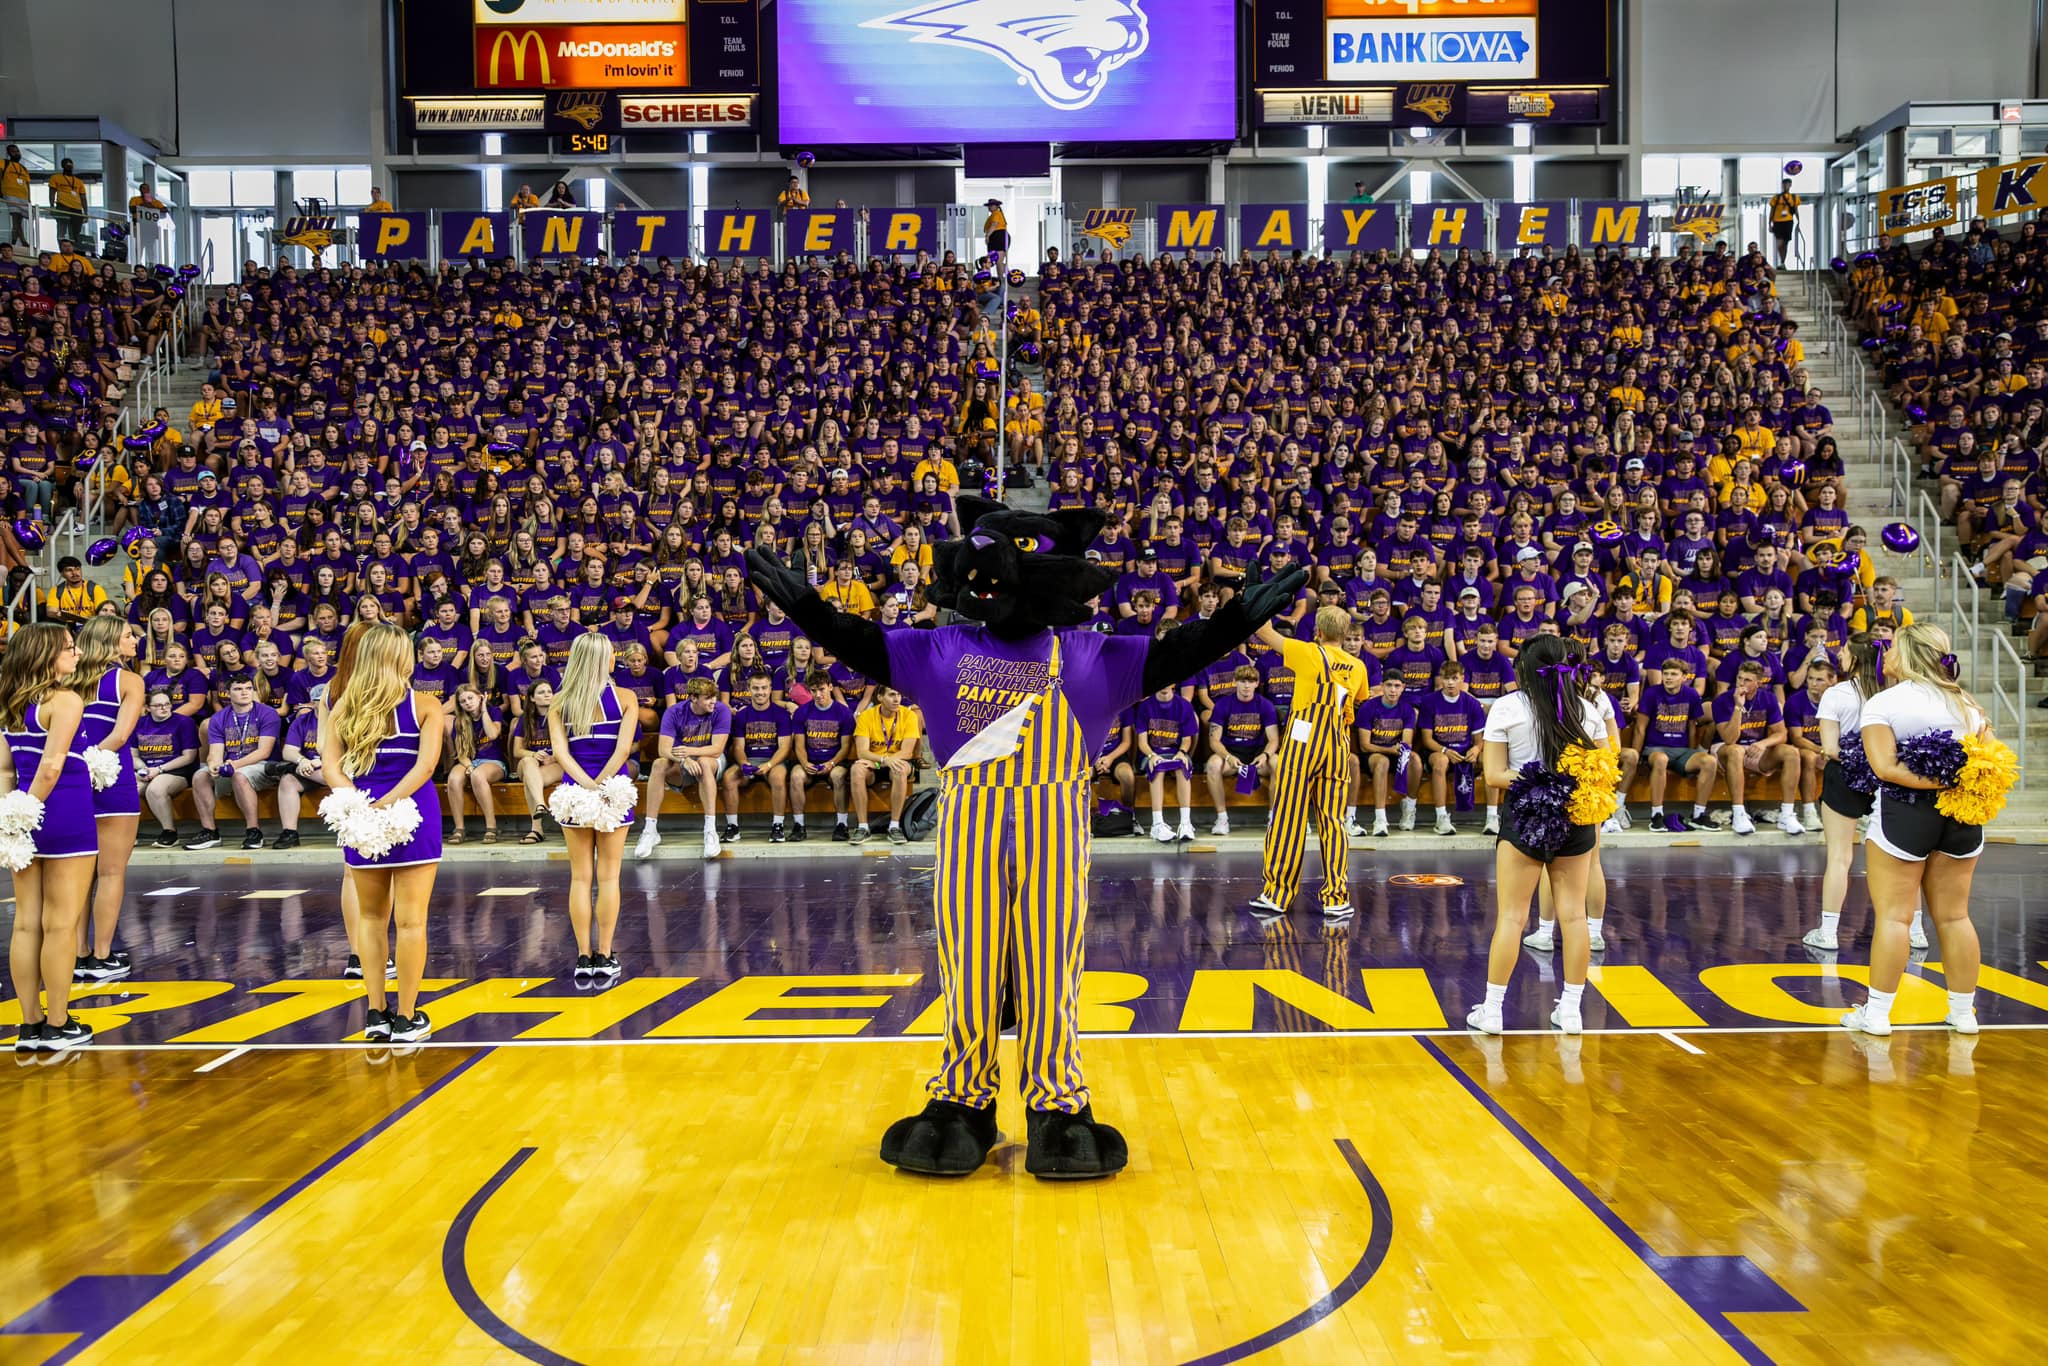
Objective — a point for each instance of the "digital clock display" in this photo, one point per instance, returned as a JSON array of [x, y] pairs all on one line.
[[590, 144]]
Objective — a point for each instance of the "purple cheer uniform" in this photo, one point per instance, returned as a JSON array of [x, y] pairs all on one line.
[[396, 754]]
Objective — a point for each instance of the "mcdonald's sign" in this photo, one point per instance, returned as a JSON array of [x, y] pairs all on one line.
[[582, 56]]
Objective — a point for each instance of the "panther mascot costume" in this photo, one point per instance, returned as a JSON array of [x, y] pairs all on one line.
[[1018, 698]]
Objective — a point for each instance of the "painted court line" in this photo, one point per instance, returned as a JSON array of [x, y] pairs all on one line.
[[279, 894], [222, 1060], [1680, 1041], [171, 891], [932, 1040]]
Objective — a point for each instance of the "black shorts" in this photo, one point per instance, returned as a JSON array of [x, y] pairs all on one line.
[[1783, 229], [1913, 830], [1837, 796], [1581, 840]]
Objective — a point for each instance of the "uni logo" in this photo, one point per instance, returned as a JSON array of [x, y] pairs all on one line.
[[1431, 101], [1701, 219], [1110, 226], [517, 39], [583, 107], [1063, 50], [312, 229]]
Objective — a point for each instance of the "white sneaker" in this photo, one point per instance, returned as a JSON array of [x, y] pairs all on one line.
[[1444, 826], [710, 844], [1740, 822], [1484, 1018], [1916, 933], [1610, 826], [1221, 826], [1161, 831], [1962, 1021], [1621, 814], [1822, 939], [1567, 1018], [1379, 827], [649, 841], [1337, 913], [1353, 828], [1407, 813], [1543, 939], [1858, 1019], [1788, 821], [1809, 816], [1596, 941], [1265, 905], [1187, 828], [1492, 826]]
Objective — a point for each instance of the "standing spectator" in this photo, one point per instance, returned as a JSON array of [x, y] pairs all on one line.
[[1784, 220], [67, 198], [793, 196], [14, 194]]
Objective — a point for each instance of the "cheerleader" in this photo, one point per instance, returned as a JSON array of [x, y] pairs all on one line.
[[1536, 723], [112, 693], [1544, 937], [591, 728], [1842, 806], [1914, 851], [45, 757], [385, 738]]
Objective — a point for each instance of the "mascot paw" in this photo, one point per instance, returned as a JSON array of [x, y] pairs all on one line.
[[945, 1139], [1065, 1147]]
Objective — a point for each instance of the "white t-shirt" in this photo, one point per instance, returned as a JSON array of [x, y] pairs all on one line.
[[1915, 708], [1842, 704], [1509, 721]]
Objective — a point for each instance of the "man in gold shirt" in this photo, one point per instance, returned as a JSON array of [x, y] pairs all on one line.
[[885, 738], [67, 198], [1784, 219], [1313, 780], [14, 192], [996, 228], [378, 203], [793, 196]]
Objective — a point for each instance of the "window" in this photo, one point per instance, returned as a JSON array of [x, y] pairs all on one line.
[[1667, 175], [352, 185], [313, 185], [594, 193], [255, 189], [210, 189], [494, 189]]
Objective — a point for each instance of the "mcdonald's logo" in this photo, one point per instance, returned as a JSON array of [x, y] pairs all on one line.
[[516, 39]]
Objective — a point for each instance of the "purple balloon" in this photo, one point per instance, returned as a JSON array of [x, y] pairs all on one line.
[[188, 272], [984, 276], [1793, 473], [28, 534], [102, 550], [1017, 278], [175, 291], [1606, 531], [85, 462], [135, 536], [1916, 413], [80, 390], [1838, 265], [1901, 539], [1872, 343], [1793, 168], [806, 159], [137, 443], [1028, 353]]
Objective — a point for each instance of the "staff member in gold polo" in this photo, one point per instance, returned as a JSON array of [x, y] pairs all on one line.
[[1313, 777], [1784, 219]]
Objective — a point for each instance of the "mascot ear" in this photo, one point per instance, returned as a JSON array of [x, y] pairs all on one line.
[[972, 508], [1078, 528]]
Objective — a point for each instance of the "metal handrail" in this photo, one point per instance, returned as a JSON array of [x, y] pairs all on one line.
[[24, 597], [2014, 706]]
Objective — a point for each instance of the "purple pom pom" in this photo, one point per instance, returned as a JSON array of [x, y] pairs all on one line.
[[1247, 780], [1856, 766], [102, 550], [1901, 539], [1536, 807], [1936, 756]]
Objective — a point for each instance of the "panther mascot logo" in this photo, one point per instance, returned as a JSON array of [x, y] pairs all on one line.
[[1063, 49]]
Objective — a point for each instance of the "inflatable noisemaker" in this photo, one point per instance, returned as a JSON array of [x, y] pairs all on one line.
[[162, 272], [1838, 266], [28, 534], [85, 462], [138, 442], [102, 550], [1793, 168], [984, 276], [807, 159], [1792, 473], [134, 536], [188, 272], [1606, 531], [1016, 279], [1916, 413], [1029, 353], [1901, 539]]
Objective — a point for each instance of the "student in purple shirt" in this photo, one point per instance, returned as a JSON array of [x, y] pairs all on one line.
[[240, 739], [1244, 733], [432, 673], [691, 757], [1415, 660], [1753, 647], [1386, 738], [760, 751], [822, 752], [1448, 723], [1489, 673], [1669, 724], [1166, 730], [1751, 726]]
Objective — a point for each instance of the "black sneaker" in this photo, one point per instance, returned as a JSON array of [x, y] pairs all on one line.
[[1697, 823], [252, 838], [732, 831], [100, 969], [354, 971], [30, 1039], [796, 833], [82, 968], [205, 839], [586, 966], [73, 1033], [897, 835], [413, 1030], [377, 1026], [286, 839], [166, 839], [606, 966], [775, 834], [839, 830], [116, 964]]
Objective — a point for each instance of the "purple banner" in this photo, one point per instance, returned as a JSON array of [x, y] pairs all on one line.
[[475, 234], [1189, 227], [1359, 227], [1272, 227], [651, 232], [1613, 223], [1447, 227], [392, 237], [737, 232], [1537, 223], [903, 232], [817, 232], [550, 232]]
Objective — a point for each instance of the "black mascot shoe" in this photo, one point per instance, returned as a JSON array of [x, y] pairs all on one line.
[[945, 1139], [1065, 1147]]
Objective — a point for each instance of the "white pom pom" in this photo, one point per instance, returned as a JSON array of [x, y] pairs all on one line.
[[342, 805], [21, 813], [369, 830], [576, 806], [103, 766], [17, 851], [618, 796]]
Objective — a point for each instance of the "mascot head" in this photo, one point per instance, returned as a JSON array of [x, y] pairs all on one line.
[[1019, 573]]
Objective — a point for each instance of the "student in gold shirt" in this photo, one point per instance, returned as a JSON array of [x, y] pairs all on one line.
[[793, 196], [14, 192], [67, 198], [378, 203], [885, 739], [1784, 218]]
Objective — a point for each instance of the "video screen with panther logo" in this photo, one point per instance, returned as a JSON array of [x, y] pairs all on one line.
[[901, 71]]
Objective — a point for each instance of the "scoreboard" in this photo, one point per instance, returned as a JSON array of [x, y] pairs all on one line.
[[584, 70], [1432, 62]]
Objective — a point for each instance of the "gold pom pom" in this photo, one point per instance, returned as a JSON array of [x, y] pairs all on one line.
[[1598, 773], [1989, 772]]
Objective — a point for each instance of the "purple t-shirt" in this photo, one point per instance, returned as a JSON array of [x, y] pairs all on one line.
[[760, 730], [1670, 717], [1166, 724], [238, 735], [1758, 716], [685, 727], [1454, 722], [1244, 723], [823, 730], [158, 742], [963, 677]]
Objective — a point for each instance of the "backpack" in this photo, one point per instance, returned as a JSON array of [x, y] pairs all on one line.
[[921, 813]]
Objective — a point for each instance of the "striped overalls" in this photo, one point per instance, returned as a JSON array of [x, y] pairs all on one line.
[[1311, 782], [1013, 847]]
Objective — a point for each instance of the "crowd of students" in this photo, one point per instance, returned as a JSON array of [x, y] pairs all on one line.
[[1466, 451]]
